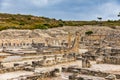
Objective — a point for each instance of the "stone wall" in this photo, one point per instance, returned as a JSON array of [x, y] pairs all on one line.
[[12, 69], [92, 72], [112, 60], [36, 76], [19, 42]]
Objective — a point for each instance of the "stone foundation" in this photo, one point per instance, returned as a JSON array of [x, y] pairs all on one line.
[[112, 60], [92, 72], [12, 69]]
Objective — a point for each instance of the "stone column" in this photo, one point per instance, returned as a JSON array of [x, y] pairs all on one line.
[[85, 63]]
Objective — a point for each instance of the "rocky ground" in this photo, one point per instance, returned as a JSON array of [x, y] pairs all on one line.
[[61, 33], [54, 32]]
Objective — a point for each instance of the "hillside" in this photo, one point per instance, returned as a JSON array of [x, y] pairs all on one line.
[[18, 21]]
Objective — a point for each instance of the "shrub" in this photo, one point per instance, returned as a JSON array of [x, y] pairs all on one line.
[[22, 23], [41, 26], [89, 32]]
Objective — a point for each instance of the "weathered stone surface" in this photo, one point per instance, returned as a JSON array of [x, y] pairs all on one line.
[[111, 77]]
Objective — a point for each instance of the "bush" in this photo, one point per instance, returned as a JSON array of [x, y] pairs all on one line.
[[60, 25], [22, 23], [12, 27], [41, 26], [89, 32]]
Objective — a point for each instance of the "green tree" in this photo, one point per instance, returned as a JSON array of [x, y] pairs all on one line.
[[118, 15], [100, 20]]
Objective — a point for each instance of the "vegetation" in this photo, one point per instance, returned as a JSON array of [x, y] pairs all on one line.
[[99, 18], [18, 21], [89, 32]]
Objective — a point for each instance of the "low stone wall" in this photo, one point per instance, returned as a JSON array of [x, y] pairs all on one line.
[[12, 69], [42, 76], [35, 76], [82, 77], [112, 60], [92, 72], [30, 77]]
